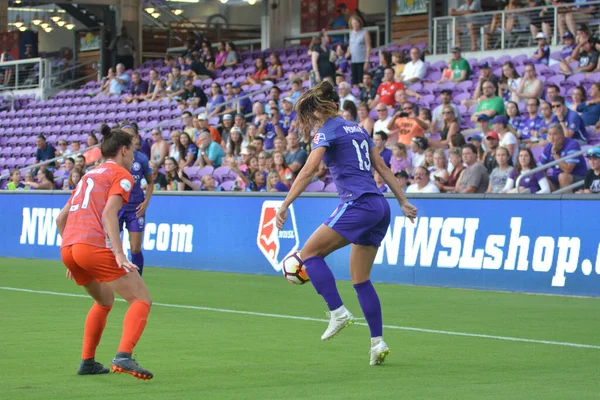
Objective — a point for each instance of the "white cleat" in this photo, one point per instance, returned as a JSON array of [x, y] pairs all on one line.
[[339, 319], [379, 351]]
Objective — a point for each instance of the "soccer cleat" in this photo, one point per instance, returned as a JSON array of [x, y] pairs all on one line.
[[379, 351], [124, 363], [91, 367], [338, 320]]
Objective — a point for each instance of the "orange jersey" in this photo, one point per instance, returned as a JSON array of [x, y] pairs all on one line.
[[84, 224]]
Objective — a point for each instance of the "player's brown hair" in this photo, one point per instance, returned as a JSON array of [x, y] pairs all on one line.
[[322, 99], [113, 140]]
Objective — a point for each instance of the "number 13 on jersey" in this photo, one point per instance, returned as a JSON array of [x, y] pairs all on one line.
[[364, 165]]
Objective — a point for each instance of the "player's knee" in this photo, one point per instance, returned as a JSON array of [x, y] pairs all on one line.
[[106, 300], [136, 249]]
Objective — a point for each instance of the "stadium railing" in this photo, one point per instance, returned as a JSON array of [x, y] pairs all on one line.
[[544, 167], [26, 74], [444, 28], [250, 43], [338, 32]]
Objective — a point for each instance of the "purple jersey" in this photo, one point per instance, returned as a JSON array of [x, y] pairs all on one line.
[[287, 121], [567, 51], [347, 157], [569, 147], [139, 169], [530, 182], [574, 123], [530, 124]]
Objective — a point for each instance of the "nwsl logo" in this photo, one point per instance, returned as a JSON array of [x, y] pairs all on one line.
[[276, 244]]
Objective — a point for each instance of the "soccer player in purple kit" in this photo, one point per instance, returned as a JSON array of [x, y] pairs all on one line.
[[362, 218], [133, 214]]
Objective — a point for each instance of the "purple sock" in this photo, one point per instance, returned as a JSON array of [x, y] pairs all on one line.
[[323, 280], [138, 259], [369, 302]]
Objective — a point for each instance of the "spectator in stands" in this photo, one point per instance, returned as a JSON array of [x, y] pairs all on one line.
[[271, 126], [232, 58], [513, 115], [188, 151], [542, 51], [359, 50], [44, 152], [507, 138], [552, 92], [225, 129], [510, 81], [274, 183], [569, 46], [461, 70], [448, 128], [116, 83], [259, 74], [322, 66], [535, 183], [75, 146], [538, 138], [490, 104], [295, 156], [422, 184], [74, 177], [349, 111], [399, 161], [296, 91], [234, 143], [380, 183], [473, 22], [438, 116], [174, 87], [567, 172], [209, 184], [531, 122], [477, 140], [204, 124], [197, 68], [414, 70], [440, 163], [579, 96], [385, 61], [208, 57], [7, 71], [341, 63], [241, 103], [388, 89], [368, 91], [345, 95], [406, 124], [570, 15], [530, 86], [188, 126], [240, 122], [192, 96], [281, 167], [251, 132], [175, 178], [475, 178], [15, 181], [383, 118], [590, 109], [174, 147], [69, 165], [45, 179], [275, 71], [572, 124], [592, 178], [288, 115], [62, 151], [155, 87], [489, 157], [364, 121], [398, 63], [123, 47], [418, 145], [221, 55], [456, 169], [80, 162], [485, 75], [499, 175], [138, 88], [209, 153], [380, 140], [496, 25], [540, 20], [340, 22], [216, 100], [425, 116], [587, 58], [159, 150]]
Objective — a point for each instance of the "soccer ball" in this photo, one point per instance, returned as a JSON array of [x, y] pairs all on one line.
[[293, 269]]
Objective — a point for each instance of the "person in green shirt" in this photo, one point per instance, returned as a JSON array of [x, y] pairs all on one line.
[[491, 105], [15, 181], [461, 70]]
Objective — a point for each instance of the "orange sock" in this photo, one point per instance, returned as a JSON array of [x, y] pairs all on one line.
[[133, 325], [94, 326]]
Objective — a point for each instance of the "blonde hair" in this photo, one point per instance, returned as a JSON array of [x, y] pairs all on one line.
[[356, 17], [271, 175], [428, 151], [402, 148], [321, 100], [441, 153]]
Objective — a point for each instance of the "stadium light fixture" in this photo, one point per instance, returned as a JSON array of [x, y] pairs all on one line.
[[18, 2], [18, 21], [48, 29], [224, 1], [44, 24], [150, 10], [178, 11], [36, 19], [252, 2], [23, 28], [70, 25], [155, 14], [55, 17], [61, 23]]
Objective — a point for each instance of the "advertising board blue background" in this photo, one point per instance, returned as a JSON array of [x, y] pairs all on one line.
[[559, 236]]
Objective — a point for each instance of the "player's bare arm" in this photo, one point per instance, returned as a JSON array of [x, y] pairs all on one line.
[[111, 221]]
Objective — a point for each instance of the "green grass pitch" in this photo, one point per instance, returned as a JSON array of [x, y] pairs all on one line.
[[208, 354]]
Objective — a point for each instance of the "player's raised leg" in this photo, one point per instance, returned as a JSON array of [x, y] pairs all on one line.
[[133, 289], [94, 326], [361, 263], [321, 243]]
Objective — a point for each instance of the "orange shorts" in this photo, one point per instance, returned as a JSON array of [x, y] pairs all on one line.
[[88, 263]]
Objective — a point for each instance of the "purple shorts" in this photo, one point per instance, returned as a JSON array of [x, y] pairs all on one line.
[[363, 221], [131, 222]]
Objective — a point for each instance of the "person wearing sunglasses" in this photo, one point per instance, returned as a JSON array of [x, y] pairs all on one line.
[[406, 124]]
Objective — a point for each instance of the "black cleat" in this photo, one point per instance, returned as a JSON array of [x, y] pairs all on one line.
[[91, 367], [124, 363]]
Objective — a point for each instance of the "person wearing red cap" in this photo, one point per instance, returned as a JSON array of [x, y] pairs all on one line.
[[489, 158]]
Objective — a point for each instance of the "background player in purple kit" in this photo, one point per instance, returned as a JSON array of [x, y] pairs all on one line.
[[133, 214], [362, 218]]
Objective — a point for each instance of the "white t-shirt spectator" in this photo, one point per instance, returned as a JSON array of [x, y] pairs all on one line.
[[381, 125], [509, 138], [429, 188], [348, 97], [414, 70], [417, 160], [436, 115]]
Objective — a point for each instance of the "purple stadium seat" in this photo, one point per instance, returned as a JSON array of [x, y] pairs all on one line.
[[316, 186], [228, 185]]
